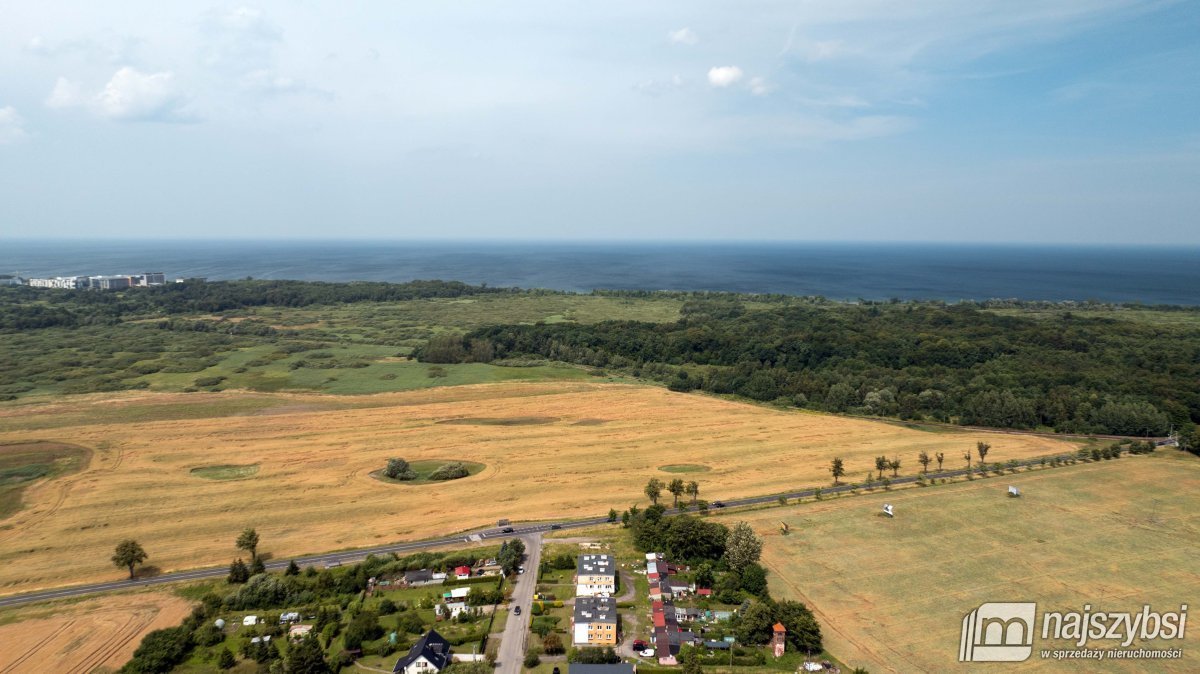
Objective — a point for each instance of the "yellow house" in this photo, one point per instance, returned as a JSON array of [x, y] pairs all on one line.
[[594, 622]]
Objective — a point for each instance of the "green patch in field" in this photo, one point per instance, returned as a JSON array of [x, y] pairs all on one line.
[[226, 472], [23, 464], [503, 421], [685, 468], [426, 472]]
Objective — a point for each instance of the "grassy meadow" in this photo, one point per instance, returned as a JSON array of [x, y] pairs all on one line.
[[351, 348], [891, 593]]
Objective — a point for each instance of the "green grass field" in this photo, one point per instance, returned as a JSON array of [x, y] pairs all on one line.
[[685, 468], [225, 472], [343, 349], [891, 593], [424, 469], [24, 464]]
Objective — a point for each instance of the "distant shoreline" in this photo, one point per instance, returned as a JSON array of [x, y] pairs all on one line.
[[838, 271]]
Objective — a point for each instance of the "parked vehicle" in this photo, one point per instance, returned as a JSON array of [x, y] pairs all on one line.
[[516, 610], [718, 504], [506, 530]]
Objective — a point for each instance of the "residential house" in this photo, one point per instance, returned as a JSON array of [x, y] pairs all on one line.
[[457, 593], [594, 622], [595, 576], [452, 609], [423, 577], [462, 572], [430, 654]]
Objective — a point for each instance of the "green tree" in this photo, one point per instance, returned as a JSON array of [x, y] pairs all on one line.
[[612, 514], [983, 448], [756, 626], [924, 460], [754, 580], [803, 632], [691, 662], [257, 566], [967, 456], [363, 627], [894, 464], [693, 490], [226, 660], [129, 553], [838, 468], [940, 457], [552, 645], [676, 488], [399, 469], [248, 541], [531, 658], [238, 571], [653, 489], [306, 657], [742, 547], [293, 569], [881, 464]]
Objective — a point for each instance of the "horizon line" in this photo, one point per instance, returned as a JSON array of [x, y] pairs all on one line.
[[602, 242]]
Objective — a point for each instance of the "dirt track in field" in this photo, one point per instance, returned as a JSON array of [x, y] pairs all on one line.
[[77, 638]]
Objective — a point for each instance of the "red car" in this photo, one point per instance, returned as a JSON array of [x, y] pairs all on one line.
[[639, 645]]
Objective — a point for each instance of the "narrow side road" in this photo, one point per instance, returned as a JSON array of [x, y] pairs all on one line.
[[512, 645]]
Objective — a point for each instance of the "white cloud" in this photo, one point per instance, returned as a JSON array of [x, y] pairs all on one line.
[[135, 96], [759, 86], [683, 36], [12, 127], [659, 87], [37, 45], [66, 94], [723, 76], [269, 83]]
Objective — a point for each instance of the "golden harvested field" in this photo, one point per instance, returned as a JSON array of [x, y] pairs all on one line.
[[77, 638], [891, 594], [551, 450]]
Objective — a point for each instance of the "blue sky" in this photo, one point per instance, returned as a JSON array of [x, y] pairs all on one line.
[[991, 120]]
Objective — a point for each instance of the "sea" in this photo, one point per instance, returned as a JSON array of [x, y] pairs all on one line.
[[841, 271]]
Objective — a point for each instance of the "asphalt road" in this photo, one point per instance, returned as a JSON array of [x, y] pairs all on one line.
[[338, 558], [511, 656]]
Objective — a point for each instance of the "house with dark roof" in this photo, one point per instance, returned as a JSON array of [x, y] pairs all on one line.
[[422, 577], [595, 576], [429, 655], [594, 621]]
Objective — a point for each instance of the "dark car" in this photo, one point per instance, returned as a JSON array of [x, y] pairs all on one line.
[[718, 504], [517, 610], [555, 526], [639, 645], [506, 530]]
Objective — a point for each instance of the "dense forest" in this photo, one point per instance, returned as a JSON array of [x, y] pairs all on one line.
[[956, 363]]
